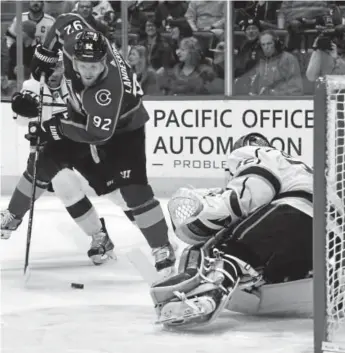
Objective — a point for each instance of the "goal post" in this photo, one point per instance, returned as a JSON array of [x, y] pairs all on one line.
[[329, 219]]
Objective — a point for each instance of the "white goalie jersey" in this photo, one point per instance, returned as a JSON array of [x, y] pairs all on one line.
[[256, 176]]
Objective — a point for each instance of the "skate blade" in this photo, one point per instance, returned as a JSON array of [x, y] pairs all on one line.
[[101, 259]]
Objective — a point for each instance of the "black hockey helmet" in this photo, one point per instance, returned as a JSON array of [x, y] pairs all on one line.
[[252, 139], [91, 46]]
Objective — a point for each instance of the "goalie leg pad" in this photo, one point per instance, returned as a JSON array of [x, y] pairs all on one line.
[[197, 295]]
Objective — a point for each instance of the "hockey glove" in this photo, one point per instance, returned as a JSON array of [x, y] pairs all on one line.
[[49, 132], [44, 60], [25, 104]]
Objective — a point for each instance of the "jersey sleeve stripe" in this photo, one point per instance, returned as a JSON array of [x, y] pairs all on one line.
[[235, 205], [200, 229], [243, 187], [265, 174]]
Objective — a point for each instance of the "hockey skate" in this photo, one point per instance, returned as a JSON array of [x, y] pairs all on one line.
[[101, 247], [165, 259], [9, 223]]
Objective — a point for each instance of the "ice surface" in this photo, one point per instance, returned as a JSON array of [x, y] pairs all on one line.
[[114, 313]]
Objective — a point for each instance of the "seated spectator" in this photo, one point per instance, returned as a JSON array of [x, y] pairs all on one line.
[[159, 52], [146, 6], [206, 16], [179, 29], [36, 14], [85, 10], [215, 78], [170, 10], [187, 76], [265, 12], [302, 15], [99, 9], [56, 8], [328, 57], [246, 56], [278, 72], [219, 60], [29, 30], [147, 77], [136, 18]]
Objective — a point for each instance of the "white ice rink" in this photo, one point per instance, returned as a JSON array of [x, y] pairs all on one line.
[[114, 312]]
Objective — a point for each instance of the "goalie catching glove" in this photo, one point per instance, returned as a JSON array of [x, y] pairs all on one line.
[[198, 214]]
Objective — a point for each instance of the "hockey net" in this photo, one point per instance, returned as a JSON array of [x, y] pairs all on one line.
[[334, 215]]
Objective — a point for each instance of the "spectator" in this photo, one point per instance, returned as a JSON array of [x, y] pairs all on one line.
[[206, 16], [170, 10], [147, 78], [219, 59], [180, 29], [247, 55], [146, 6], [159, 52], [215, 77], [265, 12], [55, 8], [328, 57], [187, 76], [99, 9], [302, 15], [278, 72], [36, 14], [29, 30], [136, 19], [85, 10]]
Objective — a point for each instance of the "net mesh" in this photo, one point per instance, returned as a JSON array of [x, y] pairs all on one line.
[[335, 219]]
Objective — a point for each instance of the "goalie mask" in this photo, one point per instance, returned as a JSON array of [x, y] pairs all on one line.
[[253, 139]]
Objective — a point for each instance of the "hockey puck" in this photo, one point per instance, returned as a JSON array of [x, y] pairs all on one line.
[[77, 285]]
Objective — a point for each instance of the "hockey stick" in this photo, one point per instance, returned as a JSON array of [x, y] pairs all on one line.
[[148, 271], [47, 104], [34, 177]]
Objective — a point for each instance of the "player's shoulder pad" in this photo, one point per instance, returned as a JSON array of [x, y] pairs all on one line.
[[104, 99]]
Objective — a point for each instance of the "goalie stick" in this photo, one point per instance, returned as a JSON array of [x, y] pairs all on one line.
[[34, 178], [147, 270]]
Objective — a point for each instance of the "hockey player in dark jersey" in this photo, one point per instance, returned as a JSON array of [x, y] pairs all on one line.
[[102, 133], [256, 230]]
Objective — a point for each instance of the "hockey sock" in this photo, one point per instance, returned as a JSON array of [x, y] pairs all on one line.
[[68, 188], [85, 215], [150, 219], [20, 200]]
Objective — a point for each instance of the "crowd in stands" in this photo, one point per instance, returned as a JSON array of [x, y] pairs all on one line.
[[178, 47]]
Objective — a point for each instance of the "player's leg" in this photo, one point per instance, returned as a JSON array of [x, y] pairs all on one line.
[[19, 203], [68, 189], [278, 238], [128, 171]]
